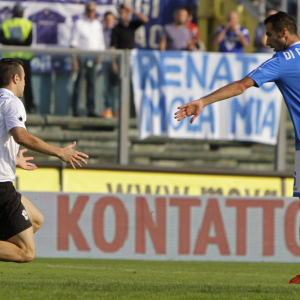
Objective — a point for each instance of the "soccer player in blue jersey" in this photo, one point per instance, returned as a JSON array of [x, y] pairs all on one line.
[[283, 69]]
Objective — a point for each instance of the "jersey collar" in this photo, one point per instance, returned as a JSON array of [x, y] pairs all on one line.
[[6, 91], [295, 43]]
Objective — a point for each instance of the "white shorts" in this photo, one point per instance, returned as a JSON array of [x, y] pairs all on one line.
[[297, 175]]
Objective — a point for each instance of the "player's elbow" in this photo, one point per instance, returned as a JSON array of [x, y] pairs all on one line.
[[240, 87]]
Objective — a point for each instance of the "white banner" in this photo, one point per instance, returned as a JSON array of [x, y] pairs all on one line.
[[162, 81], [167, 228]]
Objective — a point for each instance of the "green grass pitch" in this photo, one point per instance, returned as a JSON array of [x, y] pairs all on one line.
[[127, 279]]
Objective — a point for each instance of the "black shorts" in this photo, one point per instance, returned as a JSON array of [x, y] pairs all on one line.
[[13, 216]]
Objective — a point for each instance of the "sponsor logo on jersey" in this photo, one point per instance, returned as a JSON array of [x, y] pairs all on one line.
[[25, 215]]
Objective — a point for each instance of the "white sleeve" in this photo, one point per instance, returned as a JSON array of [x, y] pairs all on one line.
[[14, 114], [74, 36], [102, 40]]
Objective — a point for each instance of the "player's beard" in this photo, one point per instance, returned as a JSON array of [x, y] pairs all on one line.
[[280, 46]]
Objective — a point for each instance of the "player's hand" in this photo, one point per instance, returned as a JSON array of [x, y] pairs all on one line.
[[73, 157], [23, 163], [193, 108]]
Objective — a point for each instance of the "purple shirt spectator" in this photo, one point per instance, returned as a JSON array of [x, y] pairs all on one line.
[[5, 13], [46, 26], [177, 38]]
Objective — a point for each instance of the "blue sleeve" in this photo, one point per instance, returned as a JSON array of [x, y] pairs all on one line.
[[219, 29], [245, 32], [269, 71]]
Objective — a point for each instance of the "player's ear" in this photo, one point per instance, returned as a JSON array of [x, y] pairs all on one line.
[[284, 32], [15, 78]]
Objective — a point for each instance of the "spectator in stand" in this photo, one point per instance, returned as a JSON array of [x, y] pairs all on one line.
[[17, 31], [260, 36], [110, 79], [123, 35], [87, 34], [177, 36], [232, 37], [194, 29]]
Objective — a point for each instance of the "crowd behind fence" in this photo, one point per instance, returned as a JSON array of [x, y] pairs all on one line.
[[58, 95]]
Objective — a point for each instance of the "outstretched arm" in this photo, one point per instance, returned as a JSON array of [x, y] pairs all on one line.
[[67, 154], [195, 107]]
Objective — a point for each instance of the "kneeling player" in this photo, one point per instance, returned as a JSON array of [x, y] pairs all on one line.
[[19, 218]]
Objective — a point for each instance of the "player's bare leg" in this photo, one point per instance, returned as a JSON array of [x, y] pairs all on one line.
[[35, 216], [20, 248]]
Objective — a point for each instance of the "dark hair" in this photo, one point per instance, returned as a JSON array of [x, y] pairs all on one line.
[[18, 11], [189, 8], [122, 6], [282, 20], [177, 10], [108, 13], [8, 68]]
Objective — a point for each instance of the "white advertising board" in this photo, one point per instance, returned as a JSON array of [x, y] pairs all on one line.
[[167, 228]]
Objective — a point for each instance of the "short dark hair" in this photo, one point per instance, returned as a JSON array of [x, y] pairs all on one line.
[[8, 68], [282, 20], [122, 7], [107, 14], [189, 8]]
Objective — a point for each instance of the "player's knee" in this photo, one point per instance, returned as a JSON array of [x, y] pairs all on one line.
[[27, 254]]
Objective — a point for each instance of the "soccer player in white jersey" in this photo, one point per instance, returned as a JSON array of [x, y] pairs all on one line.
[[19, 218]]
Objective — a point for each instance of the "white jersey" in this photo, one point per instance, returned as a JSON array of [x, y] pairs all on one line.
[[12, 114], [88, 35]]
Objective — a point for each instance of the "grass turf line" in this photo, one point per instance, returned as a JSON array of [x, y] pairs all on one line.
[[124, 279]]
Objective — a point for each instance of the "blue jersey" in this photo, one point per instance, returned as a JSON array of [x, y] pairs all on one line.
[[231, 41], [284, 69]]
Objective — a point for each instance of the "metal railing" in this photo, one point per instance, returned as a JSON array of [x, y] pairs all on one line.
[[124, 74]]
